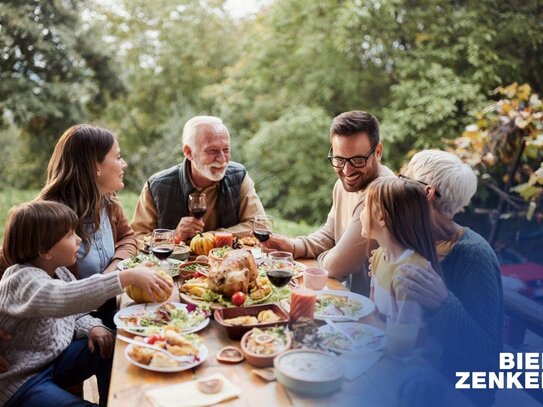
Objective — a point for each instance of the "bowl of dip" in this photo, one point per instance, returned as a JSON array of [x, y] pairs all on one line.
[[309, 372]]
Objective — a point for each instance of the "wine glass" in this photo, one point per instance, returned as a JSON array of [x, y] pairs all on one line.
[[162, 245], [262, 227], [197, 204], [280, 268]]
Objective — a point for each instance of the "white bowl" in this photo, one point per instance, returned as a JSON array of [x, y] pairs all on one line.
[[309, 372]]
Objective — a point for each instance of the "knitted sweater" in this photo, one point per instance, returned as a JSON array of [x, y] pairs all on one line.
[[470, 322], [43, 314]]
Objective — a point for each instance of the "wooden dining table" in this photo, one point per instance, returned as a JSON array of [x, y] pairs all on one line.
[[374, 387]]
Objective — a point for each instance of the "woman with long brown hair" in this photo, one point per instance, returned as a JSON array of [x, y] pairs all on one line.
[[397, 215], [84, 172]]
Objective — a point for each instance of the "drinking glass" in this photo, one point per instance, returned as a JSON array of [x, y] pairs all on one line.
[[280, 268], [262, 227], [162, 245], [197, 205], [401, 336]]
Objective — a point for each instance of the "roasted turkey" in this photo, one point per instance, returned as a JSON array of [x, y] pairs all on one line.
[[234, 273]]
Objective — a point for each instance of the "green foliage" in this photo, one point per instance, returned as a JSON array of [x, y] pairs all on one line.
[[448, 55], [276, 79], [9, 198], [287, 159], [51, 67], [170, 51], [509, 127]]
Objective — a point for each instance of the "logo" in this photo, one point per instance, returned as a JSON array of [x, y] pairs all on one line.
[[517, 371]]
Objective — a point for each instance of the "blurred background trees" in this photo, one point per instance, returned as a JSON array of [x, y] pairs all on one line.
[[277, 78]]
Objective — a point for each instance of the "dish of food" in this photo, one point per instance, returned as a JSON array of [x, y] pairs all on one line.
[[263, 317], [298, 269], [309, 372], [149, 319], [235, 276], [238, 320], [366, 337], [260, 346], [142, 258], [192, 269], [183, 352], [266, 342], [342, 305], [197, 291]]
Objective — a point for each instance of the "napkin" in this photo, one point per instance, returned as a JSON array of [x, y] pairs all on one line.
[[187, 394], [357, 363]]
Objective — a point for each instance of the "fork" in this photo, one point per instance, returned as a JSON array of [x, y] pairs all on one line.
[[180, 359]]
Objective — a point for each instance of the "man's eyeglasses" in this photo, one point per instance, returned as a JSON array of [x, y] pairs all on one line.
[[356, 162], [420, 182]]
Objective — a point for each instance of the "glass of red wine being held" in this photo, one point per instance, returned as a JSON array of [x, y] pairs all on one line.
[[262, 227], [197, 205]]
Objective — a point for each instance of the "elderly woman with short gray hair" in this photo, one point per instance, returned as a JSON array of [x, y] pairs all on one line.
[[466, 311]]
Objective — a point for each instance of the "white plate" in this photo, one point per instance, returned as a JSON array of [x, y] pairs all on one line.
[[367, 306], [174, 263], [300, 266], [203, 352], [368, 338], [138, 308]]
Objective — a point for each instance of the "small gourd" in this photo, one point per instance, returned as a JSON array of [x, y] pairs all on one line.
[[202, 243], [140, 296]]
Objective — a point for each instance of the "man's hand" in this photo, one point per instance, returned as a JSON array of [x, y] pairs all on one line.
[[423, 285], [103, 339], [279, 242], [188, 227], [4, 364]]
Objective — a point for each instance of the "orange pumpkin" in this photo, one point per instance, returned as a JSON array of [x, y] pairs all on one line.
[[139, 296], [202, 243]]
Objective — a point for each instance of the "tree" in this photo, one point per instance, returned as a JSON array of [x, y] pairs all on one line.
[[419, 66], [448, 55], [505, 146], [288, 162], [170, 51], [53, 73]]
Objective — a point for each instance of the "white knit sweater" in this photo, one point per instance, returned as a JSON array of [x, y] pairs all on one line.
[[43, 314]]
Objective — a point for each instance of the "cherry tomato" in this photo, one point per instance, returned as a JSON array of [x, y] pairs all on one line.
[[198, 274], [177, 240], [153, 338], [238, 298]]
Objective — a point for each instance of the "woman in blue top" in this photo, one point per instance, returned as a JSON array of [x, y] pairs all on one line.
[[84, 172]]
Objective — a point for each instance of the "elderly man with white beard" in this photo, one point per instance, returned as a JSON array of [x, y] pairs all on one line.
[[232, 202]]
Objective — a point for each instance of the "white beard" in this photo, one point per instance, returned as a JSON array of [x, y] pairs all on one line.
[[205, 170]]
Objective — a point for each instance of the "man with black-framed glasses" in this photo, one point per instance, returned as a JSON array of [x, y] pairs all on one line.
[[355, 155]]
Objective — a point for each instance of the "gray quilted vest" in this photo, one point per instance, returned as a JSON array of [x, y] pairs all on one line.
[[171, 188]]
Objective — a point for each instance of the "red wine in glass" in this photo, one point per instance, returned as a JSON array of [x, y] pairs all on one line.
[[262, 234], [197, 204], [279, 277], [162, 253], [198, 212]]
